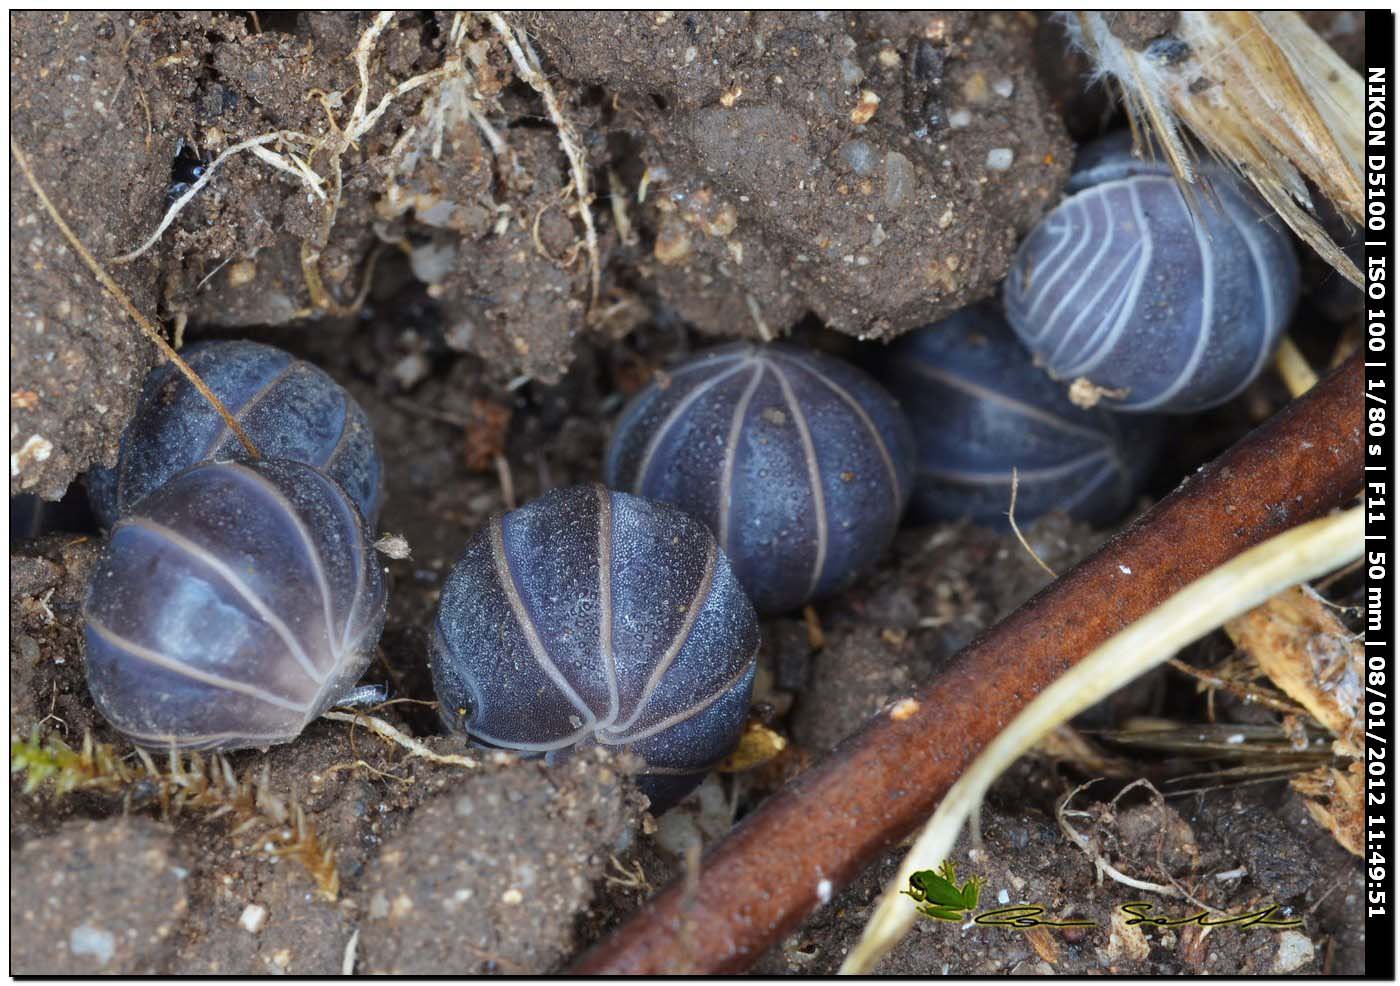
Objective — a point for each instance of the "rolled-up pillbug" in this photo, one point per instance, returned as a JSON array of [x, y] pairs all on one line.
[[289, 409], [592, 617], [1165, 304], [799, 462], [232, 606], [980, 407]]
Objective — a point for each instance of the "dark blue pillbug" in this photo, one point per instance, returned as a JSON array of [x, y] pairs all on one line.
[[980, 407], [799, 463], [289, 408], [592, 617], [1166, 304], [232, 606]]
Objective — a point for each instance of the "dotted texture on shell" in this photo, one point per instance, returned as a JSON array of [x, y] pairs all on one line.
[[1131, 286], [231, 607], [979, 407], [589, 616], [289, 408], [799, 462]]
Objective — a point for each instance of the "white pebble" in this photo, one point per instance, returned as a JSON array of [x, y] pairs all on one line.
[[97, 942], [36, 448], [1004, 88], [959, 119], [1125, 570], [1294, 951], [999, 158], [253, 918], [824, 891]]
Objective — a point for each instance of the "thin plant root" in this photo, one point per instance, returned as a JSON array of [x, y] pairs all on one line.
[[1016, 528], [179, 204], [1102, 867], [527, 64], [120, 296], [301, 150], [385, 731], [1238, 689], [1234, 588]]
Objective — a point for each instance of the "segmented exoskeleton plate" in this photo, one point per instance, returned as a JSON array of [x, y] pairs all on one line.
[[798, 462], [589, 616], [232, 606]]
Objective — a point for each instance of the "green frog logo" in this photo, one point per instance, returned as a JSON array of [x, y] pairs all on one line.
[[939, 896]]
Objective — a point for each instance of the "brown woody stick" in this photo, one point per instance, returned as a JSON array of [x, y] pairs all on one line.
[[885, 781]]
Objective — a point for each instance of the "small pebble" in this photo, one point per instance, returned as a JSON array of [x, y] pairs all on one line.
[[96, 942], [999, 158], [859, 156], [1295, 950], [253, 918], [959, 119], [899, 179], [1004, 88]]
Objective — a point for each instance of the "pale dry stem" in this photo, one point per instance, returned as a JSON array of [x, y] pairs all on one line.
[[1236, 587], [1016, 528], [386, 731], [126, 303]]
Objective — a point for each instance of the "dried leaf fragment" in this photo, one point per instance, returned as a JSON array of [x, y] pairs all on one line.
[[1306, 651], [757, 746]]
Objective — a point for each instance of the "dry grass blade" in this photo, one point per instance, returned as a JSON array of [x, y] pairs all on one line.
[[1234, 588], [1065, 744], [1262, 92], [1236, 741], [1293, 367]]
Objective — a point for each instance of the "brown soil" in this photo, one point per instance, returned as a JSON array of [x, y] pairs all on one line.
[[489, 379]]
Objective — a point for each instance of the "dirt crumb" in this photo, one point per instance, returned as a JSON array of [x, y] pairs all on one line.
[[490, 876], [806, 158], [96, 897]]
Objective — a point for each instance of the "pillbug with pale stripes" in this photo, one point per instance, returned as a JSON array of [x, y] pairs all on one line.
[[979, 408], [1164, 302], [232, 606], [289, 408], [589, 617], [797, 461]]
